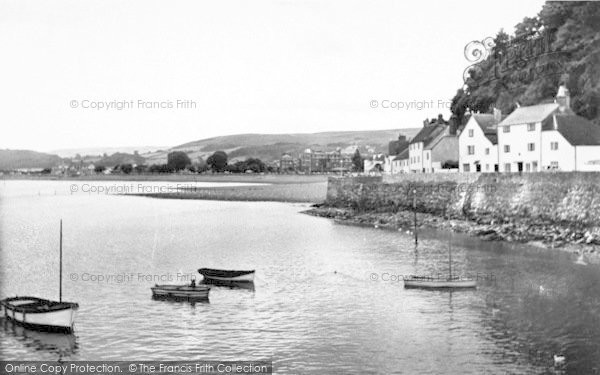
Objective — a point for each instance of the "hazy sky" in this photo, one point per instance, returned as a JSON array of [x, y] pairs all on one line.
[[257, 66]]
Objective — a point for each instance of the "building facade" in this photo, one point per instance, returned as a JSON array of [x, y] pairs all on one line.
[[478, 144]]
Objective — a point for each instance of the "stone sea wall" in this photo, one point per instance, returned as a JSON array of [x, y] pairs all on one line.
[[570, 199]]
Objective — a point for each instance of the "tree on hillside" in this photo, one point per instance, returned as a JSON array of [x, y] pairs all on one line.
[[559, 45], [217, 161], [178, 160], [357, 161]]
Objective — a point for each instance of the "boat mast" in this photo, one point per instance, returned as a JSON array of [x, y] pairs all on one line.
[[415, 214], [450, 258], [60, 266]]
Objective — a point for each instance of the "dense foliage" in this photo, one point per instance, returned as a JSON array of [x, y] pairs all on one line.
[[560, 45], [217, 161], [178, 160]]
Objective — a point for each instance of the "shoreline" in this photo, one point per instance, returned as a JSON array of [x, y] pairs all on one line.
[[283, 192], [551, 237], [274, 179]]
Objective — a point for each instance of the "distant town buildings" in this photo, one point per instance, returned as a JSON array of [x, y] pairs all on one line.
[[318, 161]]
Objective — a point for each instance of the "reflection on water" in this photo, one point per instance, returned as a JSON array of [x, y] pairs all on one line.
[[325, 298], [61, 345]]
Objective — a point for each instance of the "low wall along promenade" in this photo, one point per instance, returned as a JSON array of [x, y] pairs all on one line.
[[569, 199]]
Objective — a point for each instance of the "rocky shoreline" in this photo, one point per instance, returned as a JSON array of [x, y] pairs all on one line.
[[547, 235]]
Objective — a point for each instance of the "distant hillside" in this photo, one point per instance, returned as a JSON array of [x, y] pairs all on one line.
[[13, 159], [120, 158], [269, 147], [72, 152]]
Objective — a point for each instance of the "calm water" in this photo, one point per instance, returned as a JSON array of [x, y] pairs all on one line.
[[319, 305]]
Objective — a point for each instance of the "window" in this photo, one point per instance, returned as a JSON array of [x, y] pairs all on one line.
[[531, 127], [507, 167], [487, 167], [506, 148], [534, 166], [471, 150], [466, 167], [531, 147], [553, 145], [553, 165], [487, 151], [506, 129], [471, 132], [527, 167]]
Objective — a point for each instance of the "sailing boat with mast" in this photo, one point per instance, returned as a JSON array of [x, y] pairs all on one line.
[[450, 282], [42, 314]]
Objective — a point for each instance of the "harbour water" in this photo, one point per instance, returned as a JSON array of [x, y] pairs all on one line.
[[328, 298]]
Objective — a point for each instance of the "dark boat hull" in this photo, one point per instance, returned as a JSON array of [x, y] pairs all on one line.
[[215, 275]]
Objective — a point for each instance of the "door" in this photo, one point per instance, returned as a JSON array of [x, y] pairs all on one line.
[[520, 166]]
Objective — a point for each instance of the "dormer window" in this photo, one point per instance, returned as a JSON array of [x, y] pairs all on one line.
[[531, 127], [506, 129]]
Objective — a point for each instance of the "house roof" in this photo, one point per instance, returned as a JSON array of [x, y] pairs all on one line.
[[428, 133], [577, 130], [488, 125], [529, 114], [402, 155]]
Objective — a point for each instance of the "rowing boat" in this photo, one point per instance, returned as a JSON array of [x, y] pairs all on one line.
[[40, 314], [211, 275], [438, 282], [183, 292]]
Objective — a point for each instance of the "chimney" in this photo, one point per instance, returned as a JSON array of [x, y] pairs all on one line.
[[497, 116], [440, 119], [453, 126], [563, 99]]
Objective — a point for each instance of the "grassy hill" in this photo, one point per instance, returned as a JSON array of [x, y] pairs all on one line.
[[13, 159], [269, 147]]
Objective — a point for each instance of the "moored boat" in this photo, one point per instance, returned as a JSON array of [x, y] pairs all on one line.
[[181, 292], [40, 314], [215, 275], [438, 282]]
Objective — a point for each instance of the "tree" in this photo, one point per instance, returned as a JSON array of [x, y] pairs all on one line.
[[558, 46], [217, 161], [357, 161], [126, 168], [178, 160], [99, 169]]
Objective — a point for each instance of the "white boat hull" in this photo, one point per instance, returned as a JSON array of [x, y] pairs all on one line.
[[62, 320]]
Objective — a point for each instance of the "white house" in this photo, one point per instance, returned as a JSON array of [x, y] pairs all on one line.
[[478, 143], [548, 137], [400, 163]]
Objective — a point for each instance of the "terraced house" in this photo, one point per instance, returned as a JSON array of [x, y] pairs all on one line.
[[548, 137], [434, 147]]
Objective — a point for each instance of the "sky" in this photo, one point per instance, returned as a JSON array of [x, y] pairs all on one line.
[[115, 73]]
